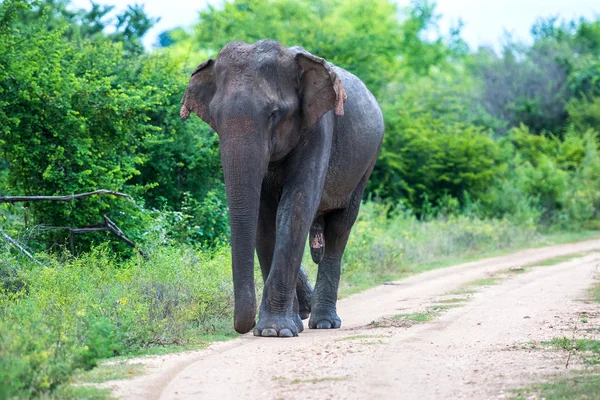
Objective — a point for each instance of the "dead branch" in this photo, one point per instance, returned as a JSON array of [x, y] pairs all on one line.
[[106, 225], [71, 197], [16, 244]]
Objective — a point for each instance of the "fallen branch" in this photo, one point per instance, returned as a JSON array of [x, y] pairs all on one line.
[[16, 244], [71, 197], [106, 225]]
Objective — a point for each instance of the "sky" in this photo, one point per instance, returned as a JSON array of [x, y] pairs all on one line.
[[485, 21]]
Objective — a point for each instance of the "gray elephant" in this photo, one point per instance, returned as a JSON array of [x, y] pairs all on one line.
[[298, 138]]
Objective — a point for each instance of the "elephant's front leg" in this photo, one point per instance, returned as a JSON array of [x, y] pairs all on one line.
[[279, 308]]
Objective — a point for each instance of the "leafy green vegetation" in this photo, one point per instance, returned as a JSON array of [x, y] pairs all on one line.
[[72, 312], [484, 153]]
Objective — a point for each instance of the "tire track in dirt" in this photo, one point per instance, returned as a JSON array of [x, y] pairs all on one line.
[[473, 351]]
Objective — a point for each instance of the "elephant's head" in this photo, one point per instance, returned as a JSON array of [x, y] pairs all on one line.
[[261, 99]]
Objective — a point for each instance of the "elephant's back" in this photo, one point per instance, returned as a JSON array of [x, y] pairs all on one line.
[[361, 109], [356, 141]]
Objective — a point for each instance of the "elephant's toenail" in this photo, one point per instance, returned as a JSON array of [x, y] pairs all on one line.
[[285, 333], [256, 332], [269, 332], [324, 325]]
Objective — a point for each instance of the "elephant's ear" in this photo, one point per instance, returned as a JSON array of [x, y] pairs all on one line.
[[199, 93], [321, 88]]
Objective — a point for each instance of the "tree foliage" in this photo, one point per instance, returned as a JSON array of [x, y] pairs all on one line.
[[84, 106]]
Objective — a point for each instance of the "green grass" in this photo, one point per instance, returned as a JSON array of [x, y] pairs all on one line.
[[392, 268], [483, 282], [66, 317], [109, 372], [557, 260], [418, 317], [463, 291], [456, 300], [444, 307], [78, 393], [588, 349], [581, 387]]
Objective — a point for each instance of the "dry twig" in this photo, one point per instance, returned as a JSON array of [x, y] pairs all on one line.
[[71, 197]]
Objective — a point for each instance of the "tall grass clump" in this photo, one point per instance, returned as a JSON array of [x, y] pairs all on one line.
[[387, 244]]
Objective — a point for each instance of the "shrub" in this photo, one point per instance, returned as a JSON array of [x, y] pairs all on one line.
[[75, 311]]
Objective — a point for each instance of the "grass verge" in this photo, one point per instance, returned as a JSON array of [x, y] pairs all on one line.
[[109, 372], [582, 385], [576, 387], [557, 260]]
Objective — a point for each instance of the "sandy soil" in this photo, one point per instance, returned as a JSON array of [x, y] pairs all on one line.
[[480, 349]]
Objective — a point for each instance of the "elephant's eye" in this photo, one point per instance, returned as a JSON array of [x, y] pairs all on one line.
[[274, 114]]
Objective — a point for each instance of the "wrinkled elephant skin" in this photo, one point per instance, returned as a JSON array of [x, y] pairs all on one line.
[[298, 138]]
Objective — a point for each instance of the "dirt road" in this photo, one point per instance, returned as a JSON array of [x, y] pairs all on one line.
[[477, 349]]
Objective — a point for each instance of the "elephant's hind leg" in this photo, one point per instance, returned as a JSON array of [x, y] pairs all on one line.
[[338, 224]]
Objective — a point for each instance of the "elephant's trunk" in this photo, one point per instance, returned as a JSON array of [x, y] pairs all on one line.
[[243, 169]]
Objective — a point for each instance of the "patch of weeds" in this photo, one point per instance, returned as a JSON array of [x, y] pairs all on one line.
[[486, 281], [417, 317], [390, 323], [443, 307], [110, 372], [557, 260], [492, 280], [590, 348], [463, 291], [69, 392], [357, 337], [577, 387], [319, 380], [453, 301]]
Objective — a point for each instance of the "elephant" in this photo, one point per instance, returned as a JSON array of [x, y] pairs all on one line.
[[298, 140]]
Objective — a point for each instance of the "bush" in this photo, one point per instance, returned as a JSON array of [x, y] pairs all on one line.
[[73, 312], [386, 244]]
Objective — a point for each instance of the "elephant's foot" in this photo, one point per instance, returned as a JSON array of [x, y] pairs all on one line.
[[324, 319], [273, 325]]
